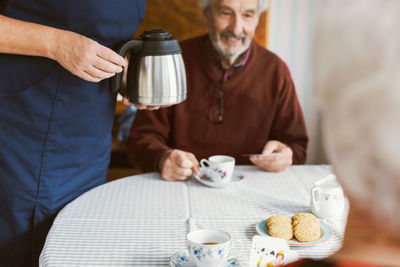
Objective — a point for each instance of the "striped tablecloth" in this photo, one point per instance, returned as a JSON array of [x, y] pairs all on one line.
[[142, 220]]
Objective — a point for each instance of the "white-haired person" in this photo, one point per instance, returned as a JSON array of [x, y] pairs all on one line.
[[240, 100], [356, 65]]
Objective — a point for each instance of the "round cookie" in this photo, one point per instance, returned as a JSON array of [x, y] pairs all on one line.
[[277, 219], [304, 216], [306, 227], [279, 226]]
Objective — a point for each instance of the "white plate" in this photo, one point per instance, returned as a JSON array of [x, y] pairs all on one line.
[[182, 259], [204, 179], [326, 234]]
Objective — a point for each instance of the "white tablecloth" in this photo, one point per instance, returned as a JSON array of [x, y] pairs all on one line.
[[142, 220]]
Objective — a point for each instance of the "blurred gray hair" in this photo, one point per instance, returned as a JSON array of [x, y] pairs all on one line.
[[356, 70], [262, 5]]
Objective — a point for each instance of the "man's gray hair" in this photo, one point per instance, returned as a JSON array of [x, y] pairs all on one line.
[[262, 5]]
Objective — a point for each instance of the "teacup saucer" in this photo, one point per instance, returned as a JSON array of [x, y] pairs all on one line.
[[205, 179], [182, 259]]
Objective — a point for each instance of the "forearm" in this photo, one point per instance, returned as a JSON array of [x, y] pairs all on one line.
[[299, 152], [149, 138], [26, 38], [145, 153], [78, 54]]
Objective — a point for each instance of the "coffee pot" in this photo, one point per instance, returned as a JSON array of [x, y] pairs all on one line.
[[156, 72]]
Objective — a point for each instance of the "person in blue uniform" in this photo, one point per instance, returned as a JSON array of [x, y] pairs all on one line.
[[56, 110]]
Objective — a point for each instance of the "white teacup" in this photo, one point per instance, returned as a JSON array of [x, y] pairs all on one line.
[[219, 168], [327, 199], [209, 247]]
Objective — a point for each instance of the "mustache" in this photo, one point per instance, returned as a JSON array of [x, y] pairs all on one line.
[[231, 34]]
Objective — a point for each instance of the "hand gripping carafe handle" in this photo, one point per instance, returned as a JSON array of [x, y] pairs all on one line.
[[116, 80]]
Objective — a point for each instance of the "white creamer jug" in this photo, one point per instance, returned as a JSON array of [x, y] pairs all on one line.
[[327, 199]]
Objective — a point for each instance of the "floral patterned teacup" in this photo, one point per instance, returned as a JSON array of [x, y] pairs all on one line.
[[209, 247], [218, 168]]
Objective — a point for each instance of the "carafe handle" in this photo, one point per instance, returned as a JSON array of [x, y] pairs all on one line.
[[116, 80]]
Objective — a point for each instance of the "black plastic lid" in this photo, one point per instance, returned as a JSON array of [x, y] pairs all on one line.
[[158, 42], [155, 35]]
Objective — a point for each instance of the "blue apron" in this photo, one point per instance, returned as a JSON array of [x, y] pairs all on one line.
[[55, 128]]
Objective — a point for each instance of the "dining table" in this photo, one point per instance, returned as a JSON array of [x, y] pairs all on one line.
[[142, 220]]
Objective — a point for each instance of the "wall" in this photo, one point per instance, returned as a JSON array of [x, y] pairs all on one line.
[[184, 19], [291, 28]]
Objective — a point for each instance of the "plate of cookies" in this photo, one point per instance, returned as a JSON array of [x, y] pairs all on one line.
[[302, 229]]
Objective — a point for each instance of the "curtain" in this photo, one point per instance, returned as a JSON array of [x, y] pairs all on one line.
[[290, 37]]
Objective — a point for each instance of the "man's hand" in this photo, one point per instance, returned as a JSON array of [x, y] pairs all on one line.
[[85, 57], [178, 166], [275, 163]]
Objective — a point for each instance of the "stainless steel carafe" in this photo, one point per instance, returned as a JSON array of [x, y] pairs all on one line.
[[156, 72]]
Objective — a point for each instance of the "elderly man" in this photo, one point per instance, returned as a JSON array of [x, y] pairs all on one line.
[[241, 100]]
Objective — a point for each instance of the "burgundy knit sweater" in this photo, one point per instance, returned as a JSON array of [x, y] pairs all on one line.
[[259, 104]]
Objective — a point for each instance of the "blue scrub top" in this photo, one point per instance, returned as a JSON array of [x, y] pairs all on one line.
[[55, 130]]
